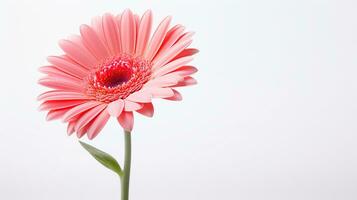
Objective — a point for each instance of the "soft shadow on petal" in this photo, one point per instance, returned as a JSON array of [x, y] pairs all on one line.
[[92, 41], [147, 110], [132, 106], [79, 109], [157, 38], [98, 124], [115, 108], [169, 67], [111, 33], [79, 54], [126, 120], [144, 33], [89, 115], [128, 32], [176, 97]]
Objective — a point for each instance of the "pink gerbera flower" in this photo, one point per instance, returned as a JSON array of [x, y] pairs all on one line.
[[114, 68]]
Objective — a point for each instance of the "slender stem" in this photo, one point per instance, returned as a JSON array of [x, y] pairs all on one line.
[[126, 171]]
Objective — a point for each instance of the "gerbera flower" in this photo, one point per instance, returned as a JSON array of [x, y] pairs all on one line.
[[114, 68]]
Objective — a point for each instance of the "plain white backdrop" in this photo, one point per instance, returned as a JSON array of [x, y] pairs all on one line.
[[272, 118]]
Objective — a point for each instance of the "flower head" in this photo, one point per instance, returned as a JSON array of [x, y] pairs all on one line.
[[113, 68]]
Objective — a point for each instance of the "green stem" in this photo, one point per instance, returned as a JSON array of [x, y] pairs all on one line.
[[126, 171]]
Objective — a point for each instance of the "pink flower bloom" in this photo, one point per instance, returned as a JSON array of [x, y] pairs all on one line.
[[114, 68]]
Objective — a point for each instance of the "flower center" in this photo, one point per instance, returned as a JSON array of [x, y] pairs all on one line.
[[117, 77], [113, 74]]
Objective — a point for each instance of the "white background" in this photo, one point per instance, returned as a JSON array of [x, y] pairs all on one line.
[[272, 118]]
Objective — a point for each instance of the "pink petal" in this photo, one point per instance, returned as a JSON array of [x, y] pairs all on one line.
[[126, 120], [128, 32], [75, 111], [147, 110], [115, 108], [97, 26], [53, 71], [64, 77], [77, 53], [60, 83], [144, 32], [140, 96], [92, 41], [185, 36], [68, 67], [171, 37], [118, 22], [186, 52], [54, 105], [161, 92], [49, 69], [98, 124], [171, 53], [157, 38], [111, 33], [186, 82], [176, 97], [185, 71], [89, 115], [132, 106], [137, 23], [164, 81], [56, 114], [60, 95], [81, 132], [70, 128], [169, 67]]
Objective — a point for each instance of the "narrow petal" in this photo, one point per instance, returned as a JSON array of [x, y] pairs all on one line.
[[68, 67], [161, 92], [89, 115], [92, 41], [56, 114], [185, 36], [144, 32], [60, 83], [115, 108], [176, 97], [171, 53], [157, 39], [98, 124], [137, 23], [186, 82], [77, 53], [118, 22], [64, 77], [185, 71], [111, 34], [126, 120], [164, 81], [70, 128], [128, 32], [186, 52], [60, 95], [147, 110], [140, 96], [54, 71], [54, 105], [97, 26], [132, 106], [169, 67], [81, 132], [75, 111], [171, 37]]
